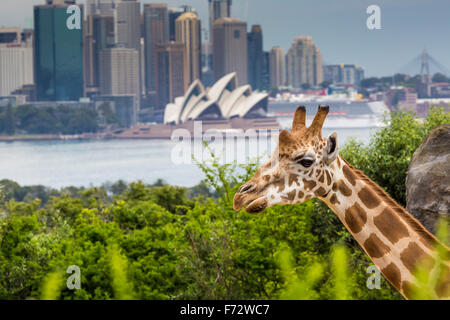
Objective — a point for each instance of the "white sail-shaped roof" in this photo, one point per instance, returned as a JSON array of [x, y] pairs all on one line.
[[241, 109], [223, 100]]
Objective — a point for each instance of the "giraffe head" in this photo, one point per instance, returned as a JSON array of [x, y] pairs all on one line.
[[300, 168]]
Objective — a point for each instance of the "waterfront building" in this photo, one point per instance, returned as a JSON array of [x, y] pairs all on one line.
[[174, 14], [303, 63], [119, 73], [277, 67], [99, 35], [230, 48], [100, 7], [255, 57], [16, 65], [170, 58], [188, 31], [58, 54], [343, 74], [127, 25], [156, 31], [224, 100], [218, 9]]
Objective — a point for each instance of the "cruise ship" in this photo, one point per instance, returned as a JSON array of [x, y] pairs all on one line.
[[345, 111]]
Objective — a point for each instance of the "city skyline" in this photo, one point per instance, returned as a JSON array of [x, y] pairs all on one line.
[[339, 30]]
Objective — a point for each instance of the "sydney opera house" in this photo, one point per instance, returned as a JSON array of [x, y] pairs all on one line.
[[224, 100], [225, 107]]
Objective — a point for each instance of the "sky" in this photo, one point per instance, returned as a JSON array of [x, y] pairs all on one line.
[[338, 27]]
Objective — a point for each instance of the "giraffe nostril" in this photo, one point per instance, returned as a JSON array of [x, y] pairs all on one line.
[[245, 188]]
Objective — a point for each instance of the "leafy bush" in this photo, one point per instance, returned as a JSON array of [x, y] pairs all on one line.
[[165, 242]]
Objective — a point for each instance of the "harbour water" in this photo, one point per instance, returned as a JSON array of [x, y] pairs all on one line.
[[91, 163]]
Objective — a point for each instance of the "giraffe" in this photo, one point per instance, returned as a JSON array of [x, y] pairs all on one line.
[[305, 166]]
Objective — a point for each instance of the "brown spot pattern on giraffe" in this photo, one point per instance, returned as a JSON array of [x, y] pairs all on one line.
[[392, 273], [390, 225], [322, 178], [349, 175], [280, 185], [309, 184], [293, 178], [342, 187], [413, 256], [334, 186], [355, 217], [320, 192], [370, 199], [328, 177], [291, 195], [443, 282], [334, 199], [408, 288], [375, 247]]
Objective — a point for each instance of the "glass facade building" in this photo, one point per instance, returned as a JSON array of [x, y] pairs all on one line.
[[58, 55]]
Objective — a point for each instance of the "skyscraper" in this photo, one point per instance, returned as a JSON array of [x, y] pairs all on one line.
[[170, 71], [100, 7], [174, 14], [304, 63], [16, 67], [119, 72], [127, 24], [58, 54], [188, 31], [156, 30], [230, 48], [218, 9], [255, 57], [277, 67], [265, 82]]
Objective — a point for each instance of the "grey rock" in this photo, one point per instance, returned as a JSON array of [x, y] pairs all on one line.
[[428, 179]]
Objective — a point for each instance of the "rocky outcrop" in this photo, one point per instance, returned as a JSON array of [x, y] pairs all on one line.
[[428, 179]]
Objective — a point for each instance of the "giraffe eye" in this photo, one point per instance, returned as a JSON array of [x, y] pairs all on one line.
[[306, 162]]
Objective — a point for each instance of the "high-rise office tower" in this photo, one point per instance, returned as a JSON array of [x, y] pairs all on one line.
[[127, 25], [218, 9], [230, 48], [174, 14], [189, 32], [304, 63], [255, 57], [266, 71], [170, 71], [16, 66], [277, 67], [156, 31], [101, 7], [58, 54], [119, 72]]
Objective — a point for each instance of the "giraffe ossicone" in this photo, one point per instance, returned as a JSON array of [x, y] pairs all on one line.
[[306, 166]]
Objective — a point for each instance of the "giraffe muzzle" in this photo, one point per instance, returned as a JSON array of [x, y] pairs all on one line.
[[252, 202]]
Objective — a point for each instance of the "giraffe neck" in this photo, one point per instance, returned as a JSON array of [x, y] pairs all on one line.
[[394, 240]]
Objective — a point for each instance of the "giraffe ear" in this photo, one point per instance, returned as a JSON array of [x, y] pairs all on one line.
[[331, 149]]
